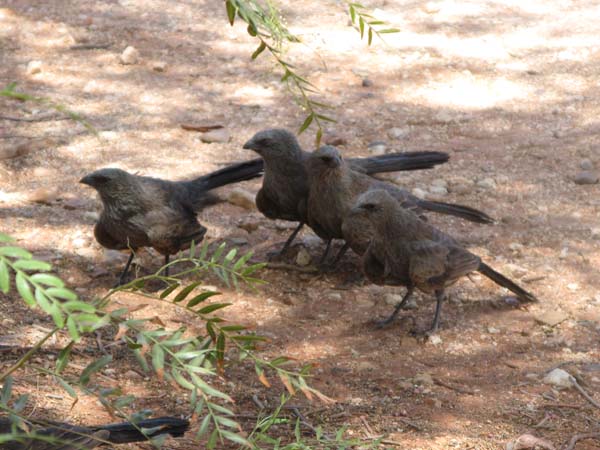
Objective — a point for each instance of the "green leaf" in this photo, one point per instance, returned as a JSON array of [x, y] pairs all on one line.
[[361, 26], [201, 297], [57, 315], [47, 279], [319, 136], [253, 268], [94, 367], [168, 290], [158, 359], [66, 294], [231, 10], [6, 392], [204, 426], [181, 295], [181, 380], [76, 305], [259, 50], [248, 338], [218, 252], [370, 38], [15, 252], [233, 437], [306, 122], [42, 301], [4, 277], [389, 30], [31, 264], [252, 31], [352, 13], [67, 387], [63, 357], [72, 327], [24, 289], [5, 238], [233, 328], [229, 257], [212, 440], [210, 308]]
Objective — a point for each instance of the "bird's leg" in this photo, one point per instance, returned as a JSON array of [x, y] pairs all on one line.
[[125, 271], [397, 308], [291, 238], [439, 295], [340, 254], [166, 268], [326, 252]]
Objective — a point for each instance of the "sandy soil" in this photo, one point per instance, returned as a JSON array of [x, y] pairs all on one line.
[[509, 89]]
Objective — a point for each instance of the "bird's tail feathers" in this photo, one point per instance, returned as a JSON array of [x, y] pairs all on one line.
[[501, 280], [464, 212], [121, 433], [394, 162], [231, 174]]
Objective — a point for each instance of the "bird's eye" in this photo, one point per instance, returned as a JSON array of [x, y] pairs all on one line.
[[326, 159], [369, 206]]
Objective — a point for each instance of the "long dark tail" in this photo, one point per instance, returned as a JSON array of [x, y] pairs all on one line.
[[464, 212], [231, 174], [394, 162], [501, 280], [121, 433]]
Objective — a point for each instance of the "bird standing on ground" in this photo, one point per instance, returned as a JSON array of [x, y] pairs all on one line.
[[406, 251], [149, 212], [334, 188], [285, 183], [64, 436]]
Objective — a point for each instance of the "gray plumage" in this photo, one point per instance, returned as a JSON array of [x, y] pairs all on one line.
[[406, 251], [142, 211], [285, 184], [64, 436], [334, 188]]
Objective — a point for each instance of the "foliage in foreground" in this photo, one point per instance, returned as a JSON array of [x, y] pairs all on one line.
[[184, 358]]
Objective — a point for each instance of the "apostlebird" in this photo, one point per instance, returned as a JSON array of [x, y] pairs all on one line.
[[142, 211], [406, 251], [334, 188], [285, 183], [49, 435]]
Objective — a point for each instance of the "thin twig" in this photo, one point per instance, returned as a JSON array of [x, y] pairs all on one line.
[[257, 402], [585, 395], [201, 128], [285, 266], [90, 46], [410, 423], [304, 421], [562, 405], [578, 437], [33, 119], [28, 355], [462, 390]]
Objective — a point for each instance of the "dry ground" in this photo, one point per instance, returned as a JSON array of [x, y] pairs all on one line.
[[509, 89]]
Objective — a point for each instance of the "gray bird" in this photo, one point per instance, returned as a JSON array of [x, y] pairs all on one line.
[[334, 188], [49, 435], [406, 251], [142, 211], [285, 184]]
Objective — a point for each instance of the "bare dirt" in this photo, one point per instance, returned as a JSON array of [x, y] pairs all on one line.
[[509, 89]]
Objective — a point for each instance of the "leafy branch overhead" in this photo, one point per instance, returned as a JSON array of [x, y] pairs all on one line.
[[266, 25], [183, 357]]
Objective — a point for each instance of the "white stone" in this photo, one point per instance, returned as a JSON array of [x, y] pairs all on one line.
[[34, 67], [130, 56], [560, 378]]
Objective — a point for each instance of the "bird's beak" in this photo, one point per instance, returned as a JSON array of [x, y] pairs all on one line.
[[249, 145], [86, 180]]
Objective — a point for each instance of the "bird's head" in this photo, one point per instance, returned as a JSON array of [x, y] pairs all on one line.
[[108, 182], [327, 157], [274, 143], [373, 204]]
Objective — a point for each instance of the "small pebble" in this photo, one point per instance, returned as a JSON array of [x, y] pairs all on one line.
[[159, 66], [366, 82], [438, 190], [377, 147], [43, 195], [398, 133], [586, 164], [420, 193], [560, 378], [130, 56], [586, 177], [435, 339], [242, 198], [220, 135], [303, 258], [34, 67], [487, 183]]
